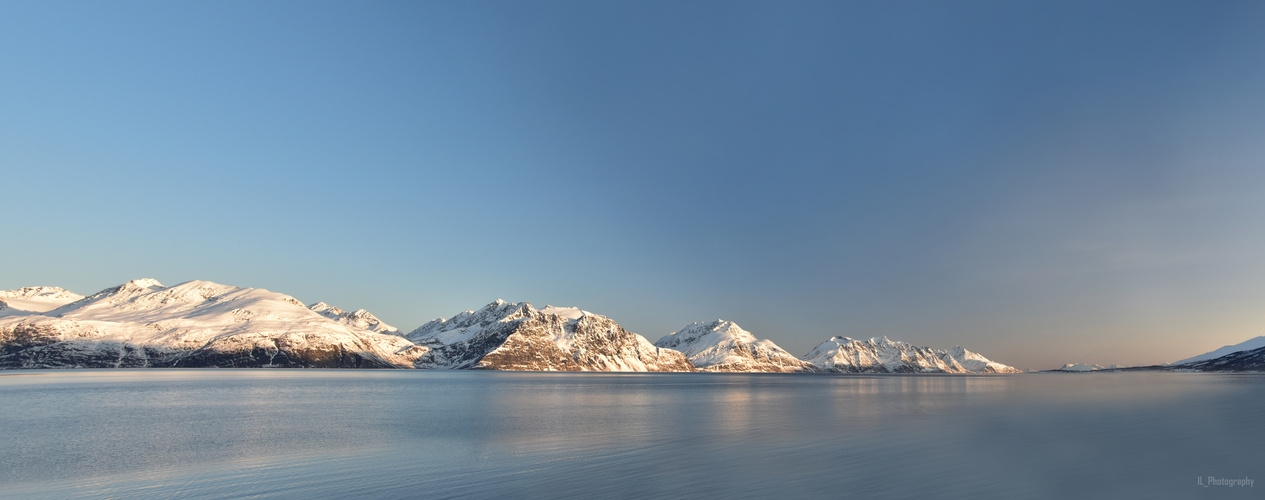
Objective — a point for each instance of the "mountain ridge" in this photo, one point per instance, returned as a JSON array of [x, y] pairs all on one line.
[[143, 323]]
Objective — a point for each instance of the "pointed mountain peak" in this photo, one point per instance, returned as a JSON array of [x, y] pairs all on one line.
[[360, 318], [363, 315], [720, 327]]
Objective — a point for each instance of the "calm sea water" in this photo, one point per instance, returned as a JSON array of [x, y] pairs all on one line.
[[443, 434]]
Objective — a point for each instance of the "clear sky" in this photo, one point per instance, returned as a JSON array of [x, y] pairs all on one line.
[[1043, 182]]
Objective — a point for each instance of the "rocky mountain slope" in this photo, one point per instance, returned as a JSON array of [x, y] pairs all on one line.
[[882, 355], [723, 346], [517, 336], [198, 323]]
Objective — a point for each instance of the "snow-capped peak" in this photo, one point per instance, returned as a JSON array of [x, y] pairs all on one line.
[[326, 310], [724, 346], [364, 320], [131, 288], [692, 332], [143, 283]]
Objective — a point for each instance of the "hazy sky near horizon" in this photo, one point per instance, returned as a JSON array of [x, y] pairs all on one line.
[[1044, 182]]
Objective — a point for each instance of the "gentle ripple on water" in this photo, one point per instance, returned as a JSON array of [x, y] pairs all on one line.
[[444, 434]]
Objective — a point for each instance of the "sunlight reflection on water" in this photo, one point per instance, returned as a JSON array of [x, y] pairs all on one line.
[[402, 434]]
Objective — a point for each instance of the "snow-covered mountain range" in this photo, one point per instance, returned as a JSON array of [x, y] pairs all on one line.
[[882, 355], [143, 323]]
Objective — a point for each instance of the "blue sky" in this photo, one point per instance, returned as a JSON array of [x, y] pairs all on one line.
[[1045, 182]]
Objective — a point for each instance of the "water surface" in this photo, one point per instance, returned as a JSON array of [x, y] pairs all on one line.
[[440, 434]]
